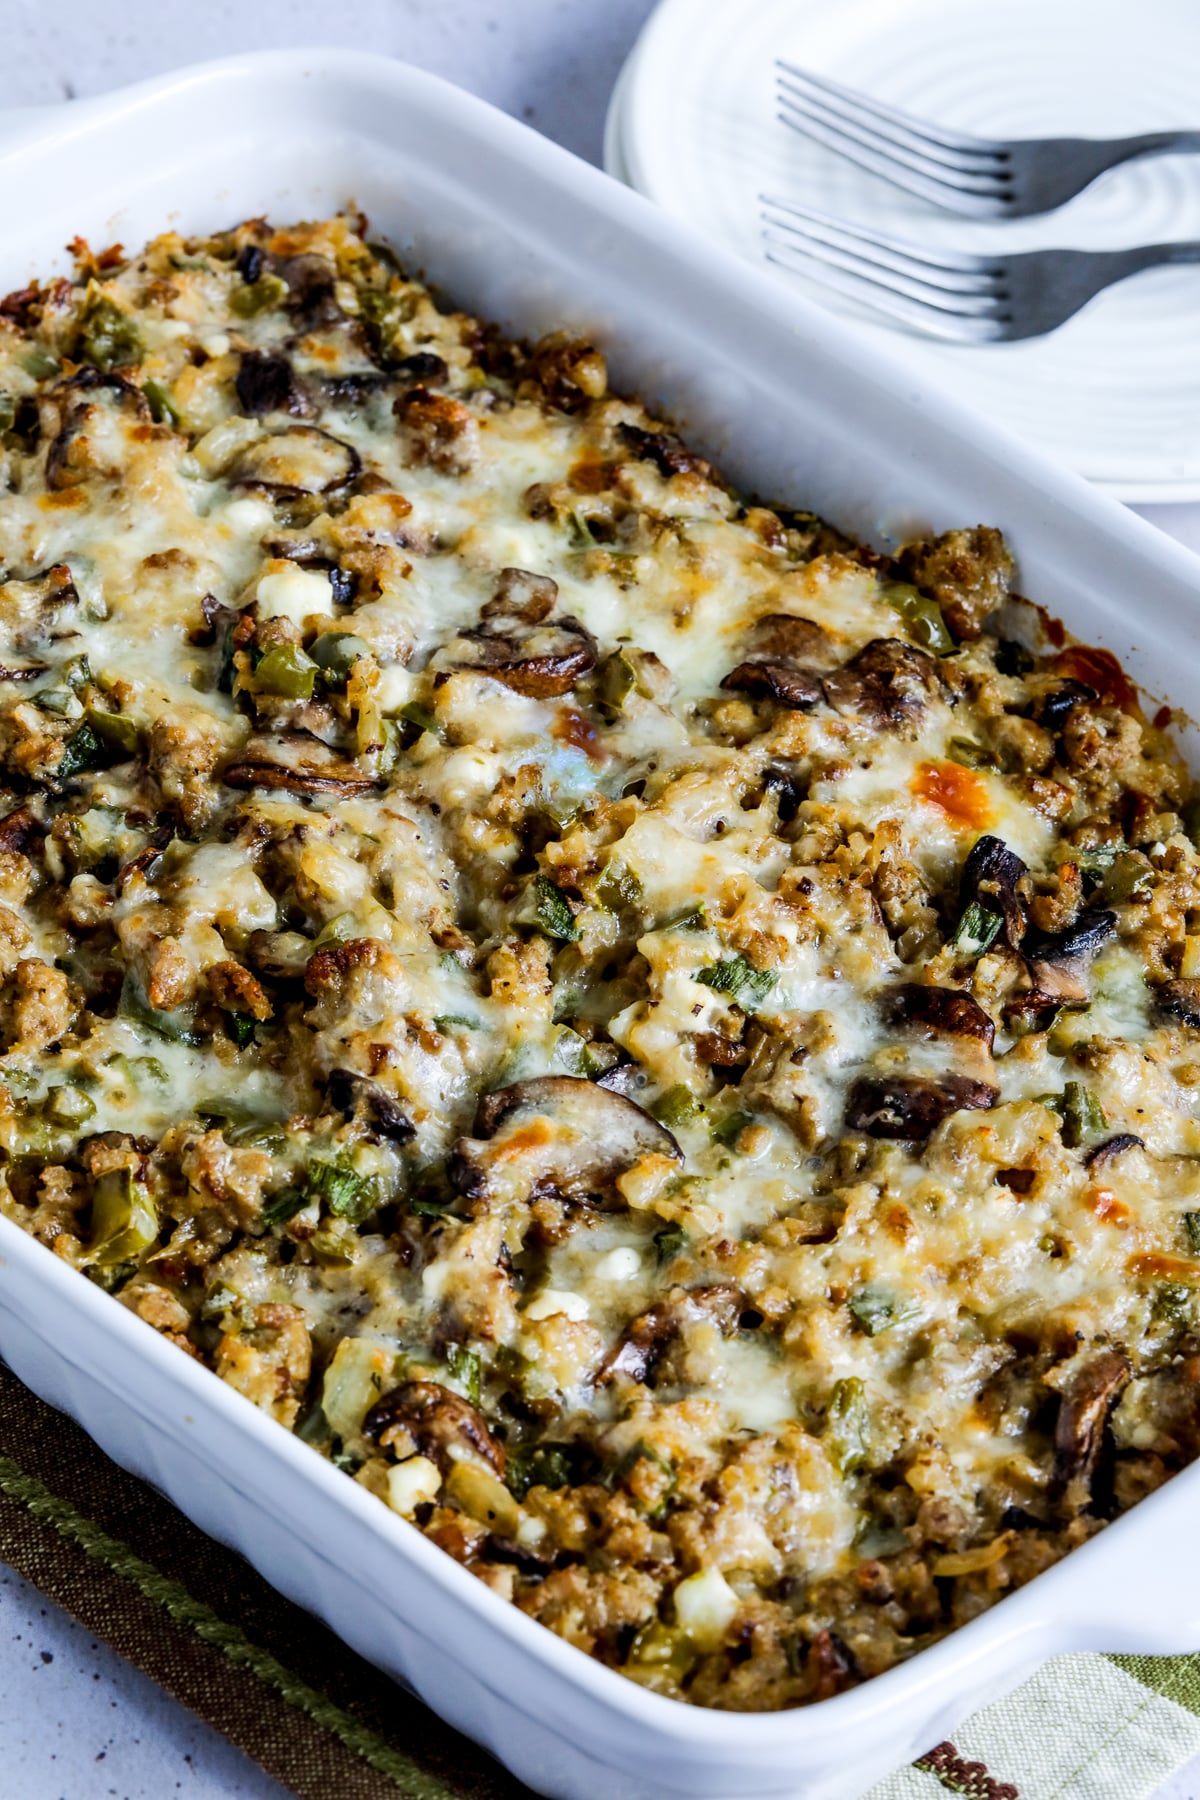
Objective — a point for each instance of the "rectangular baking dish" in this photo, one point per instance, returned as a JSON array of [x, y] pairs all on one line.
[[791, 405]]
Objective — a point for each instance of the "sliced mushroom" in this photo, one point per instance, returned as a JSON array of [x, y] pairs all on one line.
[[541, 661], [300, 460], [888, 684], [348, 1092], [280, 955], [522, 597], [311, 281], [1180, 1001], [355, 387], [1112, 1148], [668, 454], [1058, 962], [298, 763], [1088, 1396], [556, 1134], [911, 1107], [990, 878], [787, 634], [424, 367], [266, 383], [937, 1012], [646, 1339], [1078, 942], [437, 1422], [1052, 709], [967, 572], [41, 609], [775, 679], [627, 1078], [789, 790], [66, 409]]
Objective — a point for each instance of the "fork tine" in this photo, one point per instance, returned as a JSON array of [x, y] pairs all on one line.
[[891, 115], [905, 146], [990, 185], [927, 318], [945, 261], [895, 258], [942, 193], [978, 303]]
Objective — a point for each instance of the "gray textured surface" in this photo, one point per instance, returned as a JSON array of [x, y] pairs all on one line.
[[77, 1723]]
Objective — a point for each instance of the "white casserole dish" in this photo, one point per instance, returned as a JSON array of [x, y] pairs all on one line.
[[792, 404]]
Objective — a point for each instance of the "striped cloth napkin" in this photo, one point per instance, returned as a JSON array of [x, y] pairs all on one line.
[[274, 1681]]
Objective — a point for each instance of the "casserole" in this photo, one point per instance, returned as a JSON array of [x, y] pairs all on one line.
[[793, 439]]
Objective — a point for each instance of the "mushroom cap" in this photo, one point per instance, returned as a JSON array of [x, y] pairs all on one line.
[[554, 1134], [774, 678], [298, 460], [911, 1107], [938, 1011]]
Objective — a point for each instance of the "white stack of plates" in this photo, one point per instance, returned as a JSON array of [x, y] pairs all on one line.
[[1116, 391]]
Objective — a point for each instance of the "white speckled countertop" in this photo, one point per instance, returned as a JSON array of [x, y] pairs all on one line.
[[76, 1722]]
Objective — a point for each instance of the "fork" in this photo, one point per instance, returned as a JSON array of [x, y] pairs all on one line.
[[985, 178], [970, 299]]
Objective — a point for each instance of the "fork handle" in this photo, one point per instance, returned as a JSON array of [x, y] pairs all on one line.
[[1150, 256], [1151, 143]]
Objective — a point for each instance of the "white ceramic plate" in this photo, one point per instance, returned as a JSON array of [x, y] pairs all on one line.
[[1115, 392]]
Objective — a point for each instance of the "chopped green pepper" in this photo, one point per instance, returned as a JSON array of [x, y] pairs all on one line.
[[554, 915], [669, 1242], [1130, 878], [420, 716], [1191, 1224], [254, 297], [970, 755], [81, 752], [874, 1309], [163, 409], [8, 411], [977, 930], [677, 1106], [661, 1652], [738, 979], [618, 888], [338, 931], [69, 1105], [286, 671], [466, 1366], [846, 1425], [40, 363], [1172, 1304], [1082, 1114], [284, 1206], [335, 654], [617, 679], [124, 1222], [729, 1129], [176, 1027], [116, 730], [346, 1193], [107, 336], [922, 615], [546, 1465]]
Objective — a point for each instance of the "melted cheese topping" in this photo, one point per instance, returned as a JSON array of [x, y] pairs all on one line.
[[645, 1033]]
